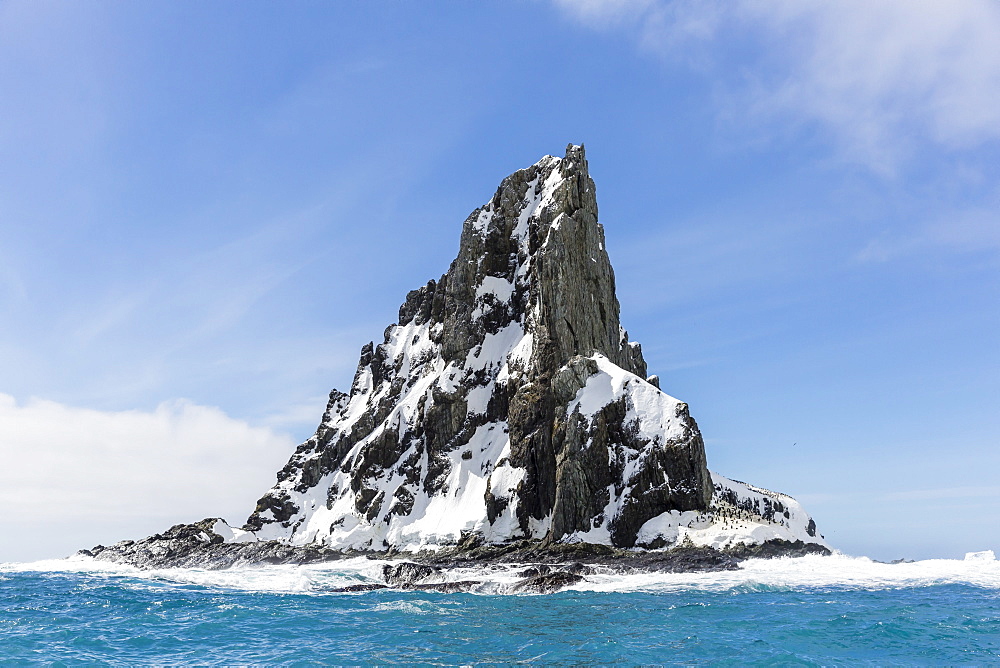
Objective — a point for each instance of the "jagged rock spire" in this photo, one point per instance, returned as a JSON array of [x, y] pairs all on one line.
[[506, 404], [539, 234], [474, 413]]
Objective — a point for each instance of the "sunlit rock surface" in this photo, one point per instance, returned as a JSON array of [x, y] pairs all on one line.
[[508, 405]]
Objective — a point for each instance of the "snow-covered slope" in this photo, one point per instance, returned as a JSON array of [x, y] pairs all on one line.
[[508, 403]]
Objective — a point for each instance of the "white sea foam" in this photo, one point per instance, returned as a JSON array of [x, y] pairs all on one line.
[[809, 572], [73, 564], [838, 571]]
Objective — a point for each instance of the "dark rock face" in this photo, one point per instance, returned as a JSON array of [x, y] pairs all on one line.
[[546, 584], [451, 587], [775, 548], [586, 558], [199, 546], [407, 572], [476, 383], [358, 588]]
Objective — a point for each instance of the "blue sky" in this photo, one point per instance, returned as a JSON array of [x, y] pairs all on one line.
[[206, 209]]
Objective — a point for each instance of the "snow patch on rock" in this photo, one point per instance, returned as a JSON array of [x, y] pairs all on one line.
[[513, 342]]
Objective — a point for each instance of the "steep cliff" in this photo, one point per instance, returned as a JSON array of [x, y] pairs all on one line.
[[505, 417], [508, 403]]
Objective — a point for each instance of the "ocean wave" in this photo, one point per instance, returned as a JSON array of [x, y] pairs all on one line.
[[812, 572]]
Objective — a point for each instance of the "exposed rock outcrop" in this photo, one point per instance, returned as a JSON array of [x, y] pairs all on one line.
[[487, 408], [507, 406], [204, 545], [546, 584]]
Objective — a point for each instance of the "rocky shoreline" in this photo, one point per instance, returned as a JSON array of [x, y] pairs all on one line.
[[506, 422], [540, 568]]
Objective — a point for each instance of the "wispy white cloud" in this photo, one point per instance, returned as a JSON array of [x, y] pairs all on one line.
[[882, 77], [975, 231], [945, 493], [306, 412], [64, 467], [209, 291], [602, 11], [929, 494], [11, 285]]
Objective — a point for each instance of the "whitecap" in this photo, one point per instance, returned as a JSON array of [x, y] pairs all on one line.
[[811, 572]]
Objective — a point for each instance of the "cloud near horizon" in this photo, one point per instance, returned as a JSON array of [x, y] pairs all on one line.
[[882, 78], [65, 467]]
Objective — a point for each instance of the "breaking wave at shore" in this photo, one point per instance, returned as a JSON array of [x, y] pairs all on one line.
[[809, 572]]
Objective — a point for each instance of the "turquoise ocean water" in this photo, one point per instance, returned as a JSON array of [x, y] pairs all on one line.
[[809, 611]]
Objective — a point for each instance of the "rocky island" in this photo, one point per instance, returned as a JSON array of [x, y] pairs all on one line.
[[506, 418]]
